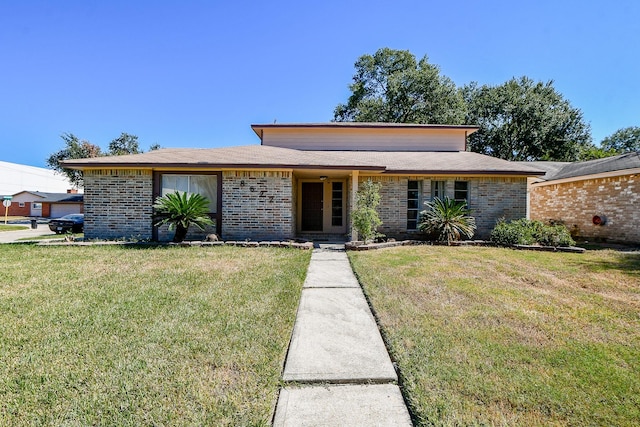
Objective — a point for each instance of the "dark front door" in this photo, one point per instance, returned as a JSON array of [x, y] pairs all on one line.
[[312, 201]]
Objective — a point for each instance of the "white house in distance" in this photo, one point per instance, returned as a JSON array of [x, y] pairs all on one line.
[[15, 178]]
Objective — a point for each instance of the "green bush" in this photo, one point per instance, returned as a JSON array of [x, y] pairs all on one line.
[[527, 232]]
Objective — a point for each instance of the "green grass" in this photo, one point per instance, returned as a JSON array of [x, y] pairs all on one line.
[[488, 336], [9, 227], [156, 336]]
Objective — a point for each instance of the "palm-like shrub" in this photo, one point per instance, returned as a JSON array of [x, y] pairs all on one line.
[[447, 220], [181, 210]]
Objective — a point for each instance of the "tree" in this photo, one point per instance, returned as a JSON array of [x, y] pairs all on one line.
[[74, 149], [124, 144], [181, 210], [524, 120], [447, 219], [623, 140], [591, 152], [391, 86], [365, 217]]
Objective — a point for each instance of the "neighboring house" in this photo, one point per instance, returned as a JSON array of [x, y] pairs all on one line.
[[15, 177], [47, 205], [595, 199], [300, 182]]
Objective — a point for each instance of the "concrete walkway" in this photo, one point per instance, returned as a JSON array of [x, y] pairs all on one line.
[[338, 371], [13, 236]]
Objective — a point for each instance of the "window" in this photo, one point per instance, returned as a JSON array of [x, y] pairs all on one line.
[[336, 204], [21, 204], [413, 204], [437, 189], [36, 205], [205, 185], [461, 191]]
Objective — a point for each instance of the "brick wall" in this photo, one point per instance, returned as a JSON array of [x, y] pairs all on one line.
[[576, 203], [489, 198], [16, 210], [257, 205], [118, 204]]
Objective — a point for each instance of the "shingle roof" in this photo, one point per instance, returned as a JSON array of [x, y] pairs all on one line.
[[561, 170], [57, 197], [261, 156]]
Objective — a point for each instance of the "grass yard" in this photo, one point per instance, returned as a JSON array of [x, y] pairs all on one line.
[[489, 336], [11, 227], [110, 335]]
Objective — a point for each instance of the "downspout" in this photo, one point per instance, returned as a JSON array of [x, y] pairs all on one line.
[[354, 194]]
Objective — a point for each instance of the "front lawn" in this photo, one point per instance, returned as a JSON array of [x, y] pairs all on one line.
[[488, 336], [12, 227], [113, 335]]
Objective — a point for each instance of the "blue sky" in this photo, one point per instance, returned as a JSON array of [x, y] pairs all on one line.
[[198, 73]]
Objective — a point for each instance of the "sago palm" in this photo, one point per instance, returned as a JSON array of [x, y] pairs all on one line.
[[181, 210], [447, 219]]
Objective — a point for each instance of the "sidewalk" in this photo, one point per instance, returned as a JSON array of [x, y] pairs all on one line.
[[12, 236], [338, 371]]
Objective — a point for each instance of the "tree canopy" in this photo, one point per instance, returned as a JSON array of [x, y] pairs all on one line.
[[391, 86], [623, 140], [519, 119], [74, 149], [525, 120], [80, 149]]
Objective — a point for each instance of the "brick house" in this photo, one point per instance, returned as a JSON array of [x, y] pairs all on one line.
[[597, 199], [46, 205], [301, 180]]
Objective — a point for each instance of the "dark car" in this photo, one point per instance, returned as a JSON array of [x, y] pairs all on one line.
[[71, 222]]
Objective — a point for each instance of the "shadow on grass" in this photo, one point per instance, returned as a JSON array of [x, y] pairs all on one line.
[[627, 263]]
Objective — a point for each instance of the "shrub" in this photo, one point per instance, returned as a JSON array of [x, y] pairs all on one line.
[[447, 220], [365, 217], [181, 210], [527, 232]]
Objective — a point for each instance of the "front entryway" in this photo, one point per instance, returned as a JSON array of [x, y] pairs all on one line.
[[312, 206]]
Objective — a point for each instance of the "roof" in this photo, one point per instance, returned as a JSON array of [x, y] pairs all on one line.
[[359, 125], [56, 197], [550, 168], [268, 157], [562, 170]]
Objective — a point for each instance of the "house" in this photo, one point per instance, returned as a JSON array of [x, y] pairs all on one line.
[[301, 181], [47, 205], [597, 199]]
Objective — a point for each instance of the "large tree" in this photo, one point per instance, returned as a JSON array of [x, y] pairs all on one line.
[[74, 149], [124, 144], [623, 140], [525, 120], [391, 86]]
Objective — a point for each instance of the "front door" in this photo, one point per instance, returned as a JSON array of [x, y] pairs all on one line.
[[312, 201]]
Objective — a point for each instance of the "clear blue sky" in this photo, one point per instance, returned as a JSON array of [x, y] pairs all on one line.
[[198, 73]]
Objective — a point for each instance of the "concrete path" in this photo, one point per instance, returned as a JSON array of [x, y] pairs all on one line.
[[338, 370], [13, 236]]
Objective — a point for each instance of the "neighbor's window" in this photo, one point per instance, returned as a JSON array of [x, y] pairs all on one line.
[[461, 191], [336, 203], [413, 204], [21, 204], [36, 205], [205, 185], [437, 189]]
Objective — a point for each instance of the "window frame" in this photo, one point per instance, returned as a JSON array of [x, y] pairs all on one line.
[[456, 191], [413, 211], [216, 216]]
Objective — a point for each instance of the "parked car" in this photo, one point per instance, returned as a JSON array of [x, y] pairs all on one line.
[[64, 224]]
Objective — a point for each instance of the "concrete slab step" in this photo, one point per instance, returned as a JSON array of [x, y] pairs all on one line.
[[335, 339], [342, 405]]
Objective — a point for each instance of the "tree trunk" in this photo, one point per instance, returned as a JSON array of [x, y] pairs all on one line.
[[181, 233]]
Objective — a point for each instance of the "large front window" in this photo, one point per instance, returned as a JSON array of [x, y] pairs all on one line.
[[205, 185]]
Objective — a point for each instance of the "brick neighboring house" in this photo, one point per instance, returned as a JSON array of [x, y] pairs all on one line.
[[46, 205], [597, 199], [302, 179]]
